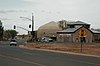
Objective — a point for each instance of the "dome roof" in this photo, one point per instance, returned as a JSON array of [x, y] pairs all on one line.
[[50, 25]]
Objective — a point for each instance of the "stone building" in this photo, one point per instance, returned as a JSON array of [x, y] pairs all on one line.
[[75, 31]]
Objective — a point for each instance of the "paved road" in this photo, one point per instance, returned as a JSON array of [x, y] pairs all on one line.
[[19, 42], [14, 56]]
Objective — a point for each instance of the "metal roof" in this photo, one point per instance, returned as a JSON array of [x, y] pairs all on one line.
[[78, 22], [70, 30]]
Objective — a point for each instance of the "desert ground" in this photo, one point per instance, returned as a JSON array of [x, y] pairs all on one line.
[[87, 48]]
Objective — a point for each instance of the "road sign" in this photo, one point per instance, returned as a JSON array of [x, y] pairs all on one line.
[[82, 33]]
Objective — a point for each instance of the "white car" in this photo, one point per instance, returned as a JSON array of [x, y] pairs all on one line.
[[13, 42], [46, 39]]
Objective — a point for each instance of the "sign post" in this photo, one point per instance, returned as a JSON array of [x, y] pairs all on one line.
[[82, 35], [81, 43]]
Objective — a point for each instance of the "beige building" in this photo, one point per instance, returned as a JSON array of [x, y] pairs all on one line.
[[48, 30], [26, 37]]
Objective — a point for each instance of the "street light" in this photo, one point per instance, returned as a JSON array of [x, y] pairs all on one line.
[[32, 33]]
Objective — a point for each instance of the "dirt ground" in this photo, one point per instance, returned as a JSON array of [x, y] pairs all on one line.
[[92, 49]]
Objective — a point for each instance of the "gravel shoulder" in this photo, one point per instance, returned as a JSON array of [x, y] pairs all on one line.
[[73, 48]]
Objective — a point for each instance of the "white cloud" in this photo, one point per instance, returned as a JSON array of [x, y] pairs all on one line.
[[53, 10], [11, 11], [28, 0]]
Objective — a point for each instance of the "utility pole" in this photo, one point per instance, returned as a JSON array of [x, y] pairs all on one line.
[[33, 33], [32, 26], [32, 22]]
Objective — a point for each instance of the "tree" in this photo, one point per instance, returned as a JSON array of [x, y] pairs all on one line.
[[95, 29], [10, 34], [63, 24], [1, 33]]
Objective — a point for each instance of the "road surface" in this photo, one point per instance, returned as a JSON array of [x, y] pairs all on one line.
[[14, 56]]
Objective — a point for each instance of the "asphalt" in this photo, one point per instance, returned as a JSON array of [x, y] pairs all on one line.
[[15, 56]]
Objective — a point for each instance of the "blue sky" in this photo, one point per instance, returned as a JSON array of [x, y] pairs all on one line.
[[48, 10]]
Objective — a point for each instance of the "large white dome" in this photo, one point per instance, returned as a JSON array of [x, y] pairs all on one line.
[[48, 29], [50, 25]]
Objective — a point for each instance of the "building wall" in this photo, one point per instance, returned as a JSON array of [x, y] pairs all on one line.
[[89, 35], [75, 37], [96, 37], [64, 37], [47, 32], [26, 37]]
